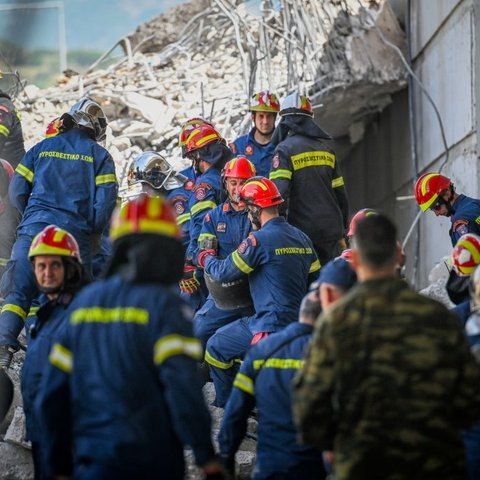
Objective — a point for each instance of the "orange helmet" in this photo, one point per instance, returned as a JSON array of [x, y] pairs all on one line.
[[145, 214], [53, 240], [466, 254], [260, 192], [264, 101], [364, 212], [429, 187], [239, 167], [54, 127], [187, 128], [6, 166], [296, 104]]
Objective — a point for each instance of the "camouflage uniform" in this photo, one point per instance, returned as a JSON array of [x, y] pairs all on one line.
[[388, 383]]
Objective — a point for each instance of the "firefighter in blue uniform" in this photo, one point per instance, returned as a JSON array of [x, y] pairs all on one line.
[[11, 136], [67, 180], [280, 262], [265, 380], [436, 192], [209, 154], [306, 171], [223, 229], [122, 396], [256, 145], [59, 274]]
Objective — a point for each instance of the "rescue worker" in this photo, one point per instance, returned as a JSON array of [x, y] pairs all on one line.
[[224, 227], [264, 380], [122, 386], [56, 263], [377, 384], [256, 144], [9, 216], [364, 212], [280, 263], [67, 180], [307, 174], [152, 174], [209, 153], [465, 259], [12, 148], [436, 192]]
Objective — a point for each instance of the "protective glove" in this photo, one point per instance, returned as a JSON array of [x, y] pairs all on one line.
[[259, 336], [6, 355], [189, 283], [208, 242], [202, 257]]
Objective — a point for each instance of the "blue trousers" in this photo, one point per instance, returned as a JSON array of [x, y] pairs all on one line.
[[210, 318], [471, 441], [225, 349], [18, 286]]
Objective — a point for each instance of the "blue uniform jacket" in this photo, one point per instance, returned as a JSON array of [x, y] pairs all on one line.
[[281, 263], [227, 225], [264, 380], [67, 180], [126, 371], [179, 198], [466, 218], [46, 326], [207, 193], [259, 155]]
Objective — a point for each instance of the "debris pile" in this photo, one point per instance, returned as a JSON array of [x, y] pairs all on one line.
[[329, 50]]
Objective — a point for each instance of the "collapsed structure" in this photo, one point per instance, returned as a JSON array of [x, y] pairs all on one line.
[[207, 58]]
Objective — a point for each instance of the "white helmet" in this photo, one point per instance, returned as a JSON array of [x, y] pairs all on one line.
[[296, 104], [89, 114]]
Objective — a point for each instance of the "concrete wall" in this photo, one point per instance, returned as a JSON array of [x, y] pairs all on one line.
[[379, 169]]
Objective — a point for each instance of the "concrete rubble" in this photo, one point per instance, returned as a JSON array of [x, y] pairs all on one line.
[[206, 58]]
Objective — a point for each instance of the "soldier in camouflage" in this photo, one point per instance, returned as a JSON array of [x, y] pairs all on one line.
[[389, 381]]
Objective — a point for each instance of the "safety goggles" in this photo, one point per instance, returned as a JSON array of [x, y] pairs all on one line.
[[439, 203]]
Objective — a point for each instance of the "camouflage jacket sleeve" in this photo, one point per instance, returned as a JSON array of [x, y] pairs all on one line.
[[313, 390]]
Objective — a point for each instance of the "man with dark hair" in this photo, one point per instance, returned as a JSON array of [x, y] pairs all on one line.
[[389, 381]]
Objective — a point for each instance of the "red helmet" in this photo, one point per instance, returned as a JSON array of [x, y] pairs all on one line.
[[239, 167], [364, 212], [261, 192], [187, 128], [264, 101], [6, 165], [429, 187], [201, 136], [466, 254], [145, 214], [53, 240]]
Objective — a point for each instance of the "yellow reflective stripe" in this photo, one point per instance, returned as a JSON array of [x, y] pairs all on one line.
[[4, 131], [166, 228], [62, 358], [109, 315], [423, 188], [244, 383], [185, 217], [3, 261], [10, 307], [206, 235], [24, 172], [338, 182], [472, 248], [107, 178], [240, 263], [315, 266], [281, 174], [33, 311], [313, 159], [176, 345], [198, 207], [212, 136], [217, 363], [282, 363]]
